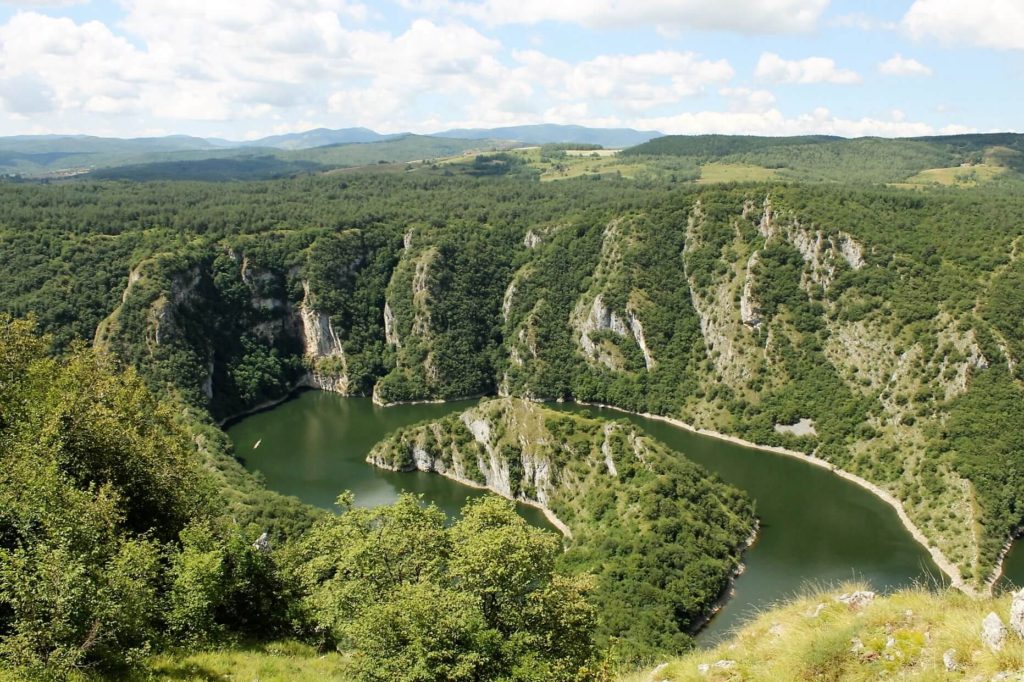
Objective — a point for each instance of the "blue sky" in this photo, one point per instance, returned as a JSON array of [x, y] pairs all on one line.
[[772, 67]]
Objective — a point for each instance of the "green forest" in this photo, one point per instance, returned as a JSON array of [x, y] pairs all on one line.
[[659, 536], [139, 315]]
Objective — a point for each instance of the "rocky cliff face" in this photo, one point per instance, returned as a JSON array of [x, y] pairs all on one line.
[[328, 368], [502, 445], [732, 311]]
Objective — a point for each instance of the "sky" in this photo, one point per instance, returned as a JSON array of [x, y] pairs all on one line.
[[248, 68]]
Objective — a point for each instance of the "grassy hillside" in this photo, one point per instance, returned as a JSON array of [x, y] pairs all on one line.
[[911, 635], [954, 160]]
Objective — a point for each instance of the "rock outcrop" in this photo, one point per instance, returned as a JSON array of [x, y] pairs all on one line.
[[323, 349], [993, 632]]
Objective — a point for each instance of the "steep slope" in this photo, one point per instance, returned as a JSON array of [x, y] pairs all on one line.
[[661, 535], [876, 330], [850, 634]]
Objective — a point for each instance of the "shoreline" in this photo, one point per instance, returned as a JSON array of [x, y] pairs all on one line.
[[262, 407], [944, 564], [729, 591], [548, 514], [997, 573]]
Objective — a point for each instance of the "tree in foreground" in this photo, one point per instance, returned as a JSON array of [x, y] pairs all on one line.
[[415, 600]]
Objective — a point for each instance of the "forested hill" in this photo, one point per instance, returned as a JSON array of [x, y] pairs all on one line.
[[940, 160], [885, 323]]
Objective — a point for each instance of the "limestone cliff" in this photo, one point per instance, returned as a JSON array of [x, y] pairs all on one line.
[[328, 369]]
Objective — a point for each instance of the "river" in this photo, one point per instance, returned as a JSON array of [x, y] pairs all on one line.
[[816, 528]]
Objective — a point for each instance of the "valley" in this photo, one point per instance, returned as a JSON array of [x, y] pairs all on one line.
[[722, 283]]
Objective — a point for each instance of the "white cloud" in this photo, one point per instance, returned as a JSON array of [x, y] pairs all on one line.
[[860, 21], [638, 82], [42, 3], [745, 16], [771, 67], [773, 122], [898, 65], [25, 95], [997, 24], [79, 66], [747, 100]]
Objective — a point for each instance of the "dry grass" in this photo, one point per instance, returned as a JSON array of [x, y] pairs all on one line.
[[275, 662], [958, 176], [903, 636]]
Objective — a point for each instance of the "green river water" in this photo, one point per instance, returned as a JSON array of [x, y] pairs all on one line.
[[816, 528]]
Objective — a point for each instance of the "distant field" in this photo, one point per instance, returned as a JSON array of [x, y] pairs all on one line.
[[592, 152], [958, 176], [711, 173]]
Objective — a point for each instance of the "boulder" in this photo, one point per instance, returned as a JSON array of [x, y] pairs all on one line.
[[858, 599], [993, 632], [949, 660], [262, 543], [1017, 613]]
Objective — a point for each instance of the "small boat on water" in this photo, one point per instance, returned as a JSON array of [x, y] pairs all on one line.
[[257, 444]]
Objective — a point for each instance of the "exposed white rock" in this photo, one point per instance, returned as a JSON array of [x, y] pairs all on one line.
[[320, 343], [320, 339], [804, 427], [851, 251], [949, 660], [506, 300], [858, 599], [599, 317], [134, 275], [421, 322], [766, 227], [481, 430], [606, 450], [407, 240], [390, 330], [532, 239], [727, 345], [750, 311], [1017, 613], [638, 334], [993, 632], [262, 543]]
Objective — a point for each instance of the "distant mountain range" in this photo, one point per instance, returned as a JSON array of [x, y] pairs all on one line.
[[548, 133], [49, 155]]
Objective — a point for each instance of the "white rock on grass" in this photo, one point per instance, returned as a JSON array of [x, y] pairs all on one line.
[[656, 673], [856, 600], [993, 632], [1017, 613], [949, 660]]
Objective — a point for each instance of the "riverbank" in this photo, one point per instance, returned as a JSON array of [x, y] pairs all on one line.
[[261, 407], [944, 564], [997, 572], [730, 588], [548, 514]]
